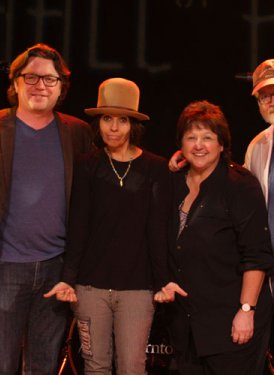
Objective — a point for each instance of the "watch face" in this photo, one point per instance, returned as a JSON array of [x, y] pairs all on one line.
[[246, 307]]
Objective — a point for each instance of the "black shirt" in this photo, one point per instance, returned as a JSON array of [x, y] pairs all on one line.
[[117, 236], [226, 234]]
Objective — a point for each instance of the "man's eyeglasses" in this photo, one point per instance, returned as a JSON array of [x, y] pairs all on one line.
[[33, 79], [265, 98]]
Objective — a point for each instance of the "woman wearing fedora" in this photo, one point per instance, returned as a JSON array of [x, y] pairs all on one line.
[[116, 258]]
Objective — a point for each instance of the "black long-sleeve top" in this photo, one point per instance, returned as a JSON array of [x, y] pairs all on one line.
[[226, 234], [117, 236]]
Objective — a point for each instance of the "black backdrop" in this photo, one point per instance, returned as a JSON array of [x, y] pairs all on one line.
[[176, 50]]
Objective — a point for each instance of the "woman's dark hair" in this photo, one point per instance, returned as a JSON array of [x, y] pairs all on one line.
[[45, 52], [137, 131], [204, 113]]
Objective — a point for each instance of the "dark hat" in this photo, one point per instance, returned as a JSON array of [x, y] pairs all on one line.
[[263, 75], [119, 97]]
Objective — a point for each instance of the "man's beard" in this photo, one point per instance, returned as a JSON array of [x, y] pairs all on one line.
[[269, 115]]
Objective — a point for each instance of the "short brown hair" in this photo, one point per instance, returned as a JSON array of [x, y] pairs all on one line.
[[46, 52], [211, 117]]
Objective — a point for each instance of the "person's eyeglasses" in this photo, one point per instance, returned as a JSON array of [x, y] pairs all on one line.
[[265, 98], [33, 79]]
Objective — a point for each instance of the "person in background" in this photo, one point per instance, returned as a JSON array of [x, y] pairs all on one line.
[[116, 256], [220, 253], [38, 147], [259, 155]]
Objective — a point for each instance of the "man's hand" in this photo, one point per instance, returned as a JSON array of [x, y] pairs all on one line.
[[177, 161]]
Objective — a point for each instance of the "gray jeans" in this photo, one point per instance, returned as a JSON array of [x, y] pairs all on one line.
[[107, 316]]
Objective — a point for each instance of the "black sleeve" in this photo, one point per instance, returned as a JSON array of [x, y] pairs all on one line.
[[249, 214], [79, 218], [158, 223]]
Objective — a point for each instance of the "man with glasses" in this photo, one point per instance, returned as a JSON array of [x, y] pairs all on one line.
[[259, 157], [38, 147]]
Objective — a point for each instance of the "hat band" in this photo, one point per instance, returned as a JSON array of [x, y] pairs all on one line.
[[113, 106]]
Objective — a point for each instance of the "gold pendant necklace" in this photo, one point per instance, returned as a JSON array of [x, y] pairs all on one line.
[[120, 178]]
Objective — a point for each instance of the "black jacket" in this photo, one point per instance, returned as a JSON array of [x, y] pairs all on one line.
[[75, 137]]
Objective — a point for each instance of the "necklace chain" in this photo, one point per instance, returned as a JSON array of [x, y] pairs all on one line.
[[120, 178]]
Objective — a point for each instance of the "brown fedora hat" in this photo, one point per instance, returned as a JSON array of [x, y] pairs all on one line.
[[118, 97]]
